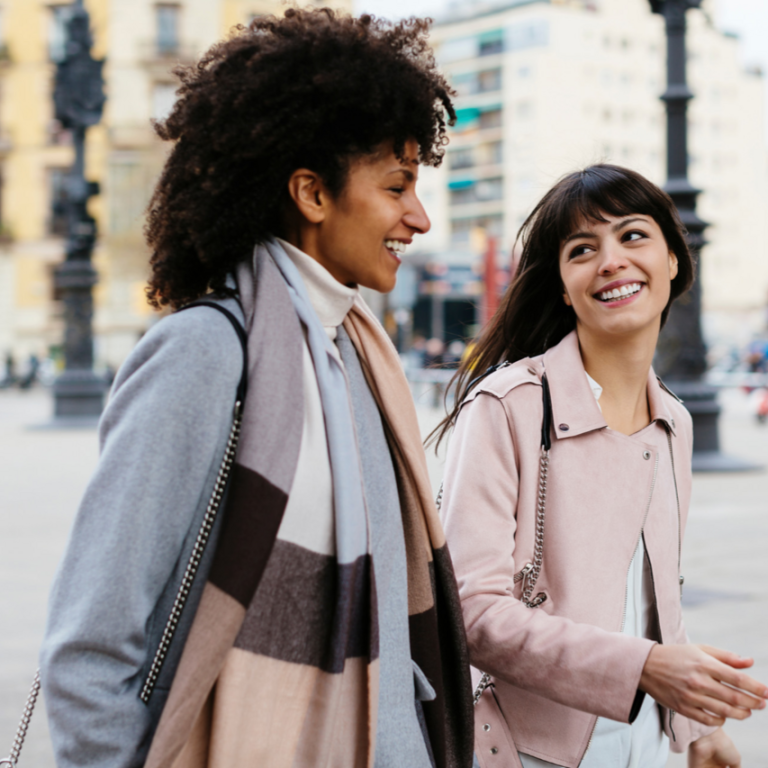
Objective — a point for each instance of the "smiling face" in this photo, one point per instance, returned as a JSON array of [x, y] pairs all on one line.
[[616, 274], [361, 234]]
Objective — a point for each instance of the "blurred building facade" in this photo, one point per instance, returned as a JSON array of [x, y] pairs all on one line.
[[548, 86], [142, 41]]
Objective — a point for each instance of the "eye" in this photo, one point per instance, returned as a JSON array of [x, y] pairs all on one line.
[[397, 190], [579, 250], [633, 236]]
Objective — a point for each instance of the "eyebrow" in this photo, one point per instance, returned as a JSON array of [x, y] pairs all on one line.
[[408, 174], [615, 228]]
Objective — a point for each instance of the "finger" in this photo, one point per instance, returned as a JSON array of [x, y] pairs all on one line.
[[731, 696], [728, 657], [701, 716], [739, 680], [722, 710], [715, 705]]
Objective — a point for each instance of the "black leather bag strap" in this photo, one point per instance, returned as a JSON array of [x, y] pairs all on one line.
[[546, 419], [242, 387]]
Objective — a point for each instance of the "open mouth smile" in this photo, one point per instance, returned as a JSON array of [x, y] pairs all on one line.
[[396, 248], [619, 294]]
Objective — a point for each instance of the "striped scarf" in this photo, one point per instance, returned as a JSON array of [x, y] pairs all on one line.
[[313, 665]]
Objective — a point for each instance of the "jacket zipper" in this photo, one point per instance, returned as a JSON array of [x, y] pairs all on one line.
[[679, 519], [523, 572], [680, 577], [626, 578]]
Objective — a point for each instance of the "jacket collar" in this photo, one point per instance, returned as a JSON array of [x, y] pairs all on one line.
[[574, 408]]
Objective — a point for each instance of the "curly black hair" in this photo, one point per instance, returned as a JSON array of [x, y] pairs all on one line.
[[313, 89]]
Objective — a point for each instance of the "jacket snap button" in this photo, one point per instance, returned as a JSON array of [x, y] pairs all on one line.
[[672, 422], [494, 750], [487, 727], [563, 427], [646, 455]]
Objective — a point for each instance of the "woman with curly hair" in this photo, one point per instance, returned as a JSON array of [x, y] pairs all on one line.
[[320, 625]]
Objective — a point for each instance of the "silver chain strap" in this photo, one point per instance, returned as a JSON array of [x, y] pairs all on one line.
[[21, 732], [194, 559], [485, 681], [538, 548]]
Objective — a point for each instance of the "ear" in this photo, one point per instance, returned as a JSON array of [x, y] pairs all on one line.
[[309, 195], [672, 265], [567, 298]]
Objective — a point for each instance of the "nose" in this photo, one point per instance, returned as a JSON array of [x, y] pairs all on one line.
[[416, 217], [612, 259]]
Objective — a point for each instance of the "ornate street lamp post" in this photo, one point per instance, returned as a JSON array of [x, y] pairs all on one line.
[[79, 101], [681, 356]]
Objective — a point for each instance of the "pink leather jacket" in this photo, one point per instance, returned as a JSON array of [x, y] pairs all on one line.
[[559, 666]]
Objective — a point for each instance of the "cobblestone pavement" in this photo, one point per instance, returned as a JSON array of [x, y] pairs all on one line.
[[43, 473]]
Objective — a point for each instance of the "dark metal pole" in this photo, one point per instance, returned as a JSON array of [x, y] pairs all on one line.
[[79, 101], [681, 354]]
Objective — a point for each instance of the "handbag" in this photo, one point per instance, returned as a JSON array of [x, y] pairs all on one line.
[[195, 557], [492, 733]]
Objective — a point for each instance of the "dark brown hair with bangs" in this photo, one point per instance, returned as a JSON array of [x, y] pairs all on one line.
[[532, 316]]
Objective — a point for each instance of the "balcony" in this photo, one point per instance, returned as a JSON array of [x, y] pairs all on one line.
[[160, 56]]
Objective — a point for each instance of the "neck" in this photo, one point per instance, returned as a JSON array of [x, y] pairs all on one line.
[[621, 368]]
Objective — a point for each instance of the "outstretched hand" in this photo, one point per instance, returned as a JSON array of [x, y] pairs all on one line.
[[702, 683], [714, 751]]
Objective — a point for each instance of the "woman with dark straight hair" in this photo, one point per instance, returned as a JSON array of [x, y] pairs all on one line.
[[567, 487]]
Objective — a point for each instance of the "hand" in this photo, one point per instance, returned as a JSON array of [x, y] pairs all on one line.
[[702, 683], [714, 751]]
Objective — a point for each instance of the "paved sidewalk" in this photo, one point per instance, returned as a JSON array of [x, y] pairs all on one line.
[[43, 473]]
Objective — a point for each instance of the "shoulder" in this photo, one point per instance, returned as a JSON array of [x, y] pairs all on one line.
[[507, 380], [195, 347]]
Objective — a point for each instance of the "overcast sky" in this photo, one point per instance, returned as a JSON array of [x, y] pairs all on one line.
[[748, 18]]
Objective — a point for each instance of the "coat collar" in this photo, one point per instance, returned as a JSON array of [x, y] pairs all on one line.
[[574, 408]]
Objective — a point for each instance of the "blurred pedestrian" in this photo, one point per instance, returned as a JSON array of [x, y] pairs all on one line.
[[322, 627], [9, 374], [568, 480], [433, 353], [30, 376]]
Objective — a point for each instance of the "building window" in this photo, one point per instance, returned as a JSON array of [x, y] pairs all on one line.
[[128, 196], [465, 83], [167, 24], [460, 158], [492, 153], [465, 192], [163, 99], [491, 42], [490, 119], [57, 31], [56, 225], [468, 83], [462, 229], [472, 118], [489, 80]]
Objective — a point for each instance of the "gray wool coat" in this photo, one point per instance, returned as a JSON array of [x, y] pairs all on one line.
[[135, 530]]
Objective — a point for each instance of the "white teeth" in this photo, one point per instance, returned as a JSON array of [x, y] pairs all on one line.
[[398, 246], [628, 289]]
